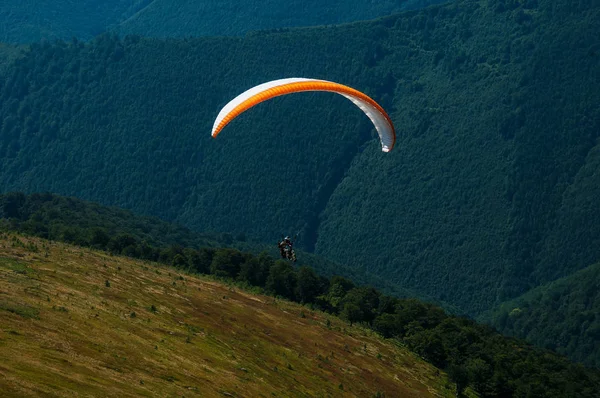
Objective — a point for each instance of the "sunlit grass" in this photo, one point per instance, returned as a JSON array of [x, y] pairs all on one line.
[[155, 331]]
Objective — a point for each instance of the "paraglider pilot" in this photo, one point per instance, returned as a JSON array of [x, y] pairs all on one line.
[[286, 248]]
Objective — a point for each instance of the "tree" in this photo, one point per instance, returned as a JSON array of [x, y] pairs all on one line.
[[387, 325], [120, 242], [256, 269], [226, 263], [11, 204], [352, 313], [387, 304], [308, 285], [338, 287], [480, 376], [99, 238], [199, 260], [458, 374], [147, 252], [429, 346], [282, 279], [366, 299], [179, 261]]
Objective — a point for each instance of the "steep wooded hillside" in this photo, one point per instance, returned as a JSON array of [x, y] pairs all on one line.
[[495, 105], [563, 315], [27, 21]]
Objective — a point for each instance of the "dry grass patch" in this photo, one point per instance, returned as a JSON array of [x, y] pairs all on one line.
[[153, 331]]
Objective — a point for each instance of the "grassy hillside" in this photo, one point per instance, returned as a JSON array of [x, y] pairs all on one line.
[[563, 315], [496, 109], [96, 298], [476, 357], [84, 321]]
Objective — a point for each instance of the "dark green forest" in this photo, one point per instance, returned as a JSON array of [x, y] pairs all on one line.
[[475, 356], [563, 316], [31, 21], [490, 191], [233, 17], [7, 55], [75, 221]]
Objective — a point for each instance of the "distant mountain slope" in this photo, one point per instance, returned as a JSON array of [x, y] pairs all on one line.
[[495, 105], [563, 315], [574, 237], [164, 18], [23, 21], [493, 187], [7, 55], [80, 321], [30, 21]]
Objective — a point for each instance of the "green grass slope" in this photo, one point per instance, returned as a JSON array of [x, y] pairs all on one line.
[[476, 357], [563, 315], [496, 109], [81, 322]]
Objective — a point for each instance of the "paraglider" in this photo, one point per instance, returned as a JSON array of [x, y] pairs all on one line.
[[286, 249], [275, 88], [265, 91]]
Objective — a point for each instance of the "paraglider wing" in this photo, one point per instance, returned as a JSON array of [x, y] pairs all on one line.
[[275, 88]]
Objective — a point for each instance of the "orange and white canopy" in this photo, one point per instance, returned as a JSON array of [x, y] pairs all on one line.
[[275, 88]]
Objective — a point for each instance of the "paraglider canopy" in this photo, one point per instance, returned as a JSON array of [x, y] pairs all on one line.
[[275, 88]]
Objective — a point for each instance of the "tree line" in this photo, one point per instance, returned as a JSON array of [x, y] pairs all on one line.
[[474, 356]]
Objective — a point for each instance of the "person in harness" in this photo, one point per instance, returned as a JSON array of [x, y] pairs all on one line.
[[286, 249]]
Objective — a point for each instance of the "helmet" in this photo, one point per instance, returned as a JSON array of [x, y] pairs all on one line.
[[287, 238]]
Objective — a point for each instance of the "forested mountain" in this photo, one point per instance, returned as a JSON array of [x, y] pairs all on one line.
[[495, 105], [495, 190], [7, 55], [165, 18], [563, 315], [23, 21], [29, 21]]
